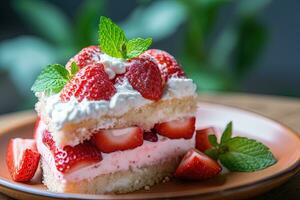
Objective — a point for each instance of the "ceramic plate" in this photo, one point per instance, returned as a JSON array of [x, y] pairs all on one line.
[[283, 142]]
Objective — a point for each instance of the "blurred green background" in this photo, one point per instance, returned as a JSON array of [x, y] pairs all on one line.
[[241, 45]]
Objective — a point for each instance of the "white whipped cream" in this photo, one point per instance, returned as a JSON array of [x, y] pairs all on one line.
[[126, 98], [113, 65]]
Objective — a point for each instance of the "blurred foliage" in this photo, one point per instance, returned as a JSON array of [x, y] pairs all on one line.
[[216, 63]]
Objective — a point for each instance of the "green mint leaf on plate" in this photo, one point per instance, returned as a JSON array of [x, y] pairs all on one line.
[[74, 68], [113, 41], [246, 155], [112, 38], [213, 153], [51, 80], [137, 46], [227, 134], [213, 140]]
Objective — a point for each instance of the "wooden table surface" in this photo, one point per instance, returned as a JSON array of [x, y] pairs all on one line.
[[283, 109]]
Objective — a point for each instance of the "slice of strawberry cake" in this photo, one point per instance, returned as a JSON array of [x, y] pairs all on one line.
[[116, 118]]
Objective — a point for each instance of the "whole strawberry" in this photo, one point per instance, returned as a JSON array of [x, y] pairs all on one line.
[[88, 55], [167, 64], [144, 76], [91, 82]]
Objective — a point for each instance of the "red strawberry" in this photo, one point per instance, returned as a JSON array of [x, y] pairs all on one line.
[[118, 139], [22, 159], [87, 56], [167, 64], [150, 136], [36, 125], [180, 128], [71, 158], [144, 76], [202, 142], [196, 165], [91, 83]]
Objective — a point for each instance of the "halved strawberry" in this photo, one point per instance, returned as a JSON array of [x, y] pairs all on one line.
[[180, 128], [22, 159], [144, 76], [167, 64], [118, 139], [196, 165], [87, 56], [70, 158], [91, 82], [202, 142], [36, 125]]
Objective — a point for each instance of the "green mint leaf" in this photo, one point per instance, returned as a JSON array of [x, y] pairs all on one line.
[[51, 80], [112, 38], [227, 134], [74, 68], [212, 153], [213, 140], [137, 46], [246, 155]]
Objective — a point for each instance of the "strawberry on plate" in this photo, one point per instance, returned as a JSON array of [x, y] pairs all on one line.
[[167, 64], [87, 56], [144, 76], [180, 128], [196, 165], [68, 159], [91, 82], [22, 159], [202, 142], [118, 139]]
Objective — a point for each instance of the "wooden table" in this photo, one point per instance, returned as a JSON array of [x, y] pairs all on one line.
[[283, 109]]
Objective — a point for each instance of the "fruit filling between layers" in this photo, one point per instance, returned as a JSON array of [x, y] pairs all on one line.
[[111, 151]]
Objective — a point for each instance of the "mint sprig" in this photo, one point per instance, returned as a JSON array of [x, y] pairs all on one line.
[[240, 153], [113, 41], [53, 78]]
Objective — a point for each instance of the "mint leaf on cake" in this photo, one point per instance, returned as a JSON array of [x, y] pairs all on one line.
[[113, 41]]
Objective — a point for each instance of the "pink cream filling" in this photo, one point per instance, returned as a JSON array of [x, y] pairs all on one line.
[[150, 153]]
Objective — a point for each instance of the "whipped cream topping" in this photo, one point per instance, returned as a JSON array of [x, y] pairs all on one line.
[[150, 153], [112, 66], [126, 98]]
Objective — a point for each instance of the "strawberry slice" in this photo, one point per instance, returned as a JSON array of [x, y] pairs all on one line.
[[196, 165], [91, 82], [202, 142], [167, 64], [70, 158], [87, 56], [180, 128], [122, 139], [22, 159], [144, 76]]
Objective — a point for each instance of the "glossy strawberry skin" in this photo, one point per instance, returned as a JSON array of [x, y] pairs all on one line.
[[181, 128], [167, 64], [87, 56], [91, 83], [108, 141], [70, 158], [28, 163], [202, 142], [196, 165], [144, 76]]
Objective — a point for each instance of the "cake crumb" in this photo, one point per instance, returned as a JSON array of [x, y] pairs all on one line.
[[147, 187], [166, 179]]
